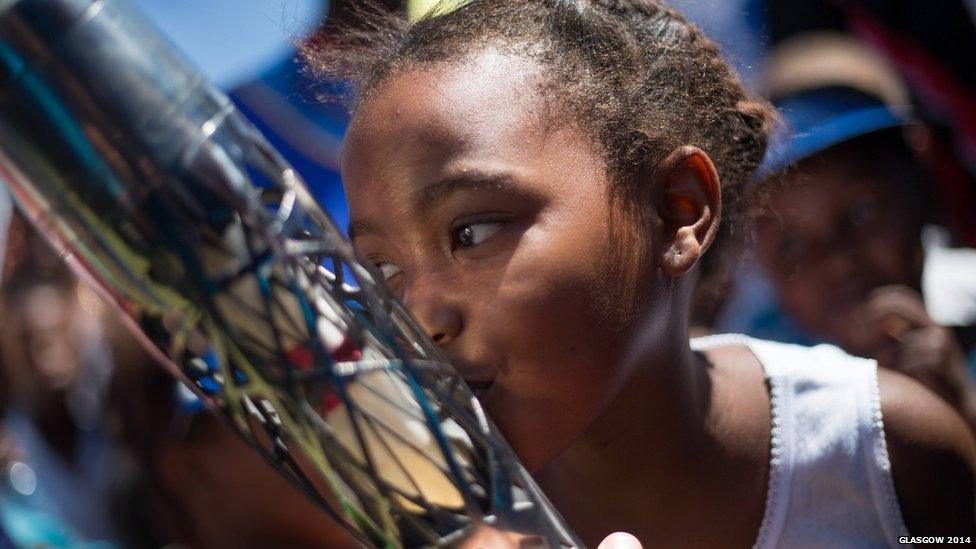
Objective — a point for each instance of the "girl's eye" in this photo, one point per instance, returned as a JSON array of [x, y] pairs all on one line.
[[468, 235], [387, 270]]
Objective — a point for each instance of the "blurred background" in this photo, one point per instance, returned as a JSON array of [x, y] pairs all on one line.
[[864, 227]]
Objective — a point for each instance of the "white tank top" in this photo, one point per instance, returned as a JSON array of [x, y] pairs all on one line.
[[830, 477]]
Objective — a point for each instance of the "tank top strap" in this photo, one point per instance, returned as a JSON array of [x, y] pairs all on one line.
[[830, 479]]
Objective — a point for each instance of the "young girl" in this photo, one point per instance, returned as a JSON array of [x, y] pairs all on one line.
[[537, 180]]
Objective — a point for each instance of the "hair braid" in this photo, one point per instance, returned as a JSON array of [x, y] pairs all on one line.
[[634, 73]]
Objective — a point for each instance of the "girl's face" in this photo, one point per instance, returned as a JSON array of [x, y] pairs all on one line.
[[493, 227]]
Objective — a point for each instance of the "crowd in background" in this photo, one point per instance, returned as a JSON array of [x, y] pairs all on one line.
[[863, 236]]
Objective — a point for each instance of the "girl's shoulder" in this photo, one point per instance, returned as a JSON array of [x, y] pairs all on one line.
[[933, 458], [841, 431], [824, 362]]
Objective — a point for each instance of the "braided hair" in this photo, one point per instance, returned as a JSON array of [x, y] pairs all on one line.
[[634, 74]]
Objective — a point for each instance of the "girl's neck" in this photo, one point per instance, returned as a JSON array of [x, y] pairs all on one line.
[[663, 400], [635, 460]]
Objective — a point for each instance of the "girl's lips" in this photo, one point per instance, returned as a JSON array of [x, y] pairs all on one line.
[[478, 377], [480, 388]]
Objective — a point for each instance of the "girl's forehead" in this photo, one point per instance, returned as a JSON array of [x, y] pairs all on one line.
[[480, 117], [484, 101]]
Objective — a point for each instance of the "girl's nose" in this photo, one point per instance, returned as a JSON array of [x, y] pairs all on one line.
[[437, 315]]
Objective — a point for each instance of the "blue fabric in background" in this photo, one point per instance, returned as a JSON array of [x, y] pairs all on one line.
[[818, 119], [5, 542], [247, 48], [234, 41], [308, 132]]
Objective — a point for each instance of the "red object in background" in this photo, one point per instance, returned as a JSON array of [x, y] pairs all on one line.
[[943, 96], [304, 360]]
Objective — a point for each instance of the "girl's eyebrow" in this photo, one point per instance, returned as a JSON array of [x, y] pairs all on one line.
[[360, 228], [428, 196]]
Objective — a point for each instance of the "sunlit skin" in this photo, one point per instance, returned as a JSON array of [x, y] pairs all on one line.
[[495, 230], [431, 173], [566, 313]]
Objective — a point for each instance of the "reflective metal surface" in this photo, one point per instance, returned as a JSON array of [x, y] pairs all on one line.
[[179, 213]]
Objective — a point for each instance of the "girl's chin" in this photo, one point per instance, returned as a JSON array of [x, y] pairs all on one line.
[[531, 441]]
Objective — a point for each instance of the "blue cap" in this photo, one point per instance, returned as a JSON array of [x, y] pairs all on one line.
[[818, 119]]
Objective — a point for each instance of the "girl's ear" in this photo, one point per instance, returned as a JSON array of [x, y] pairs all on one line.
[[689, 205]]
